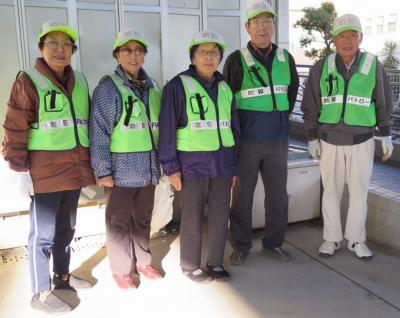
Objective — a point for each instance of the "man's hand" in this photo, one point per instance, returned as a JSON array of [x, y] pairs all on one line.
[[24, 184], [387, 147], [176, 180], [314, 148], [106, 182]]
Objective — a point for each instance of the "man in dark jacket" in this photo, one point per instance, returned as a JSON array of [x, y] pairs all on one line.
[[264, 80]]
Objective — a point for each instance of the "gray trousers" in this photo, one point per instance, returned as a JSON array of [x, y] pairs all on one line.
[[195, 194], [52, 228], [128, 216], [270, 159]]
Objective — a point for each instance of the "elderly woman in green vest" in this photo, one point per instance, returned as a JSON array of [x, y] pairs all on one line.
[[199, 132], [46, 140], [123, 147]]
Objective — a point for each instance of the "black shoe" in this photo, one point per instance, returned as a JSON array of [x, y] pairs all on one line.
[[218, 273], [238, 257], [52, 304], [278, 253], [197, 275], [68, 281]]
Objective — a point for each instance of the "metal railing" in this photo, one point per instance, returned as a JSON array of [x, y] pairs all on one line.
[[394, 82]]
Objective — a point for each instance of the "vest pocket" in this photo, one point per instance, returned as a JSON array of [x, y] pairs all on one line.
[[53, 101]]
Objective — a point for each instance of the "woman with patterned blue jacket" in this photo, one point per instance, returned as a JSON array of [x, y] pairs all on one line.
[[123, 149]]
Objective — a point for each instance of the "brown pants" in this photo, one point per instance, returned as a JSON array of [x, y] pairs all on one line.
[[128, 216]]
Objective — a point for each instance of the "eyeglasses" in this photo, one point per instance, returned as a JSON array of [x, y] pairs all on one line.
[[265, 22], [55, 45], [204, 53], [129, 51]]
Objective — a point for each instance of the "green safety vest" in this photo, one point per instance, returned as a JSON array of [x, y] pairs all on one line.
[[351, 101], [62, 121], [261, 91], [205, 119], [134, 130]]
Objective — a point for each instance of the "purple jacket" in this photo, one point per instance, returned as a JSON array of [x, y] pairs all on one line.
[[200, 164]]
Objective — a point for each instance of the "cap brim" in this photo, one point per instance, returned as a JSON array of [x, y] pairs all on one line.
[[61, 28], [222, 45], [119, 43], [346, 28], [257, 12]]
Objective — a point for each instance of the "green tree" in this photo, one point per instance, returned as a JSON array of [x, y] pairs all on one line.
[[317, 24], [390, 55]]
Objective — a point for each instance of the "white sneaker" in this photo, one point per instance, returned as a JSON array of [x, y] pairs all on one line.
[[360, 249], [328, 249]]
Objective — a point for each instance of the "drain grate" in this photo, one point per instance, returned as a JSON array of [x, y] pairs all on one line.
[[79, 244], [13, 255]]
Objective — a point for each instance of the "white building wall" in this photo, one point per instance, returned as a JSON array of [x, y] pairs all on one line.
[[168, 24]]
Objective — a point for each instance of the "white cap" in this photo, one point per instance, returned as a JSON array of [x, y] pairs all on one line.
[[207, 36], [255, 8], [129, 34], [346, 22]]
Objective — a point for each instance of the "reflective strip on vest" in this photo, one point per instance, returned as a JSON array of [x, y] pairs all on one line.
[[39, 77], [250, 61], [203, 124], [260, 91], [56, 124], [369, 58], [139, 125], [248, 57], [281, 56], [356, 100], [331, 63]]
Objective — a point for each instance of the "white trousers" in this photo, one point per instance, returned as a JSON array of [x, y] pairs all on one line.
[[355, 164]]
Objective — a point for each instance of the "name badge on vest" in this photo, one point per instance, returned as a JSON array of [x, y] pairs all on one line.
[[137, 125], [56, 124], [203, 124]]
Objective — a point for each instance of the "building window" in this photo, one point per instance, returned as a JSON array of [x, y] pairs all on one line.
[[368, 27], [379, 25], [392, 23]]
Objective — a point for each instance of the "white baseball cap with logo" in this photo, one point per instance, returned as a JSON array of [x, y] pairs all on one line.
[[346, 22], [255, 8], [130, 35], [207, 36]]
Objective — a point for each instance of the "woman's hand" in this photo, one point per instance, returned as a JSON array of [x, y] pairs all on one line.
[[106, 182], [176, 180]]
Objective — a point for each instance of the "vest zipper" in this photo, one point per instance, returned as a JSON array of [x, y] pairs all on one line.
[[346, 88], [147, 107], [71, 106], [217, 115], [272, 90]]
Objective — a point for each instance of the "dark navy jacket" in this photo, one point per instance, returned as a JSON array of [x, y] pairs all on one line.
[[256, 125], [198, 164]]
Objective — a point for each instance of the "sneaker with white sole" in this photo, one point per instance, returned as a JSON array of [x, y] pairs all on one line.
[[328, 249], [360, 249]]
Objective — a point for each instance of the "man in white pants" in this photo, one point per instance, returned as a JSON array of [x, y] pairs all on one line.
[[347, 96]]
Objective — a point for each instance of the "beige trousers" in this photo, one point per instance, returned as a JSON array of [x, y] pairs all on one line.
[[355, 164]]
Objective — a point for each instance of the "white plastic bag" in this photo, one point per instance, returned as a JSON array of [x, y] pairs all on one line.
[[162, 211]]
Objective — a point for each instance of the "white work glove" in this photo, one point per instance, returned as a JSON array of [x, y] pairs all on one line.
[[314, 148], [24, 184], [387, 147]]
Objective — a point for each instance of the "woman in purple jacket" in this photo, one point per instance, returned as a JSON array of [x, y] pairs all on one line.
[[199, 135]]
